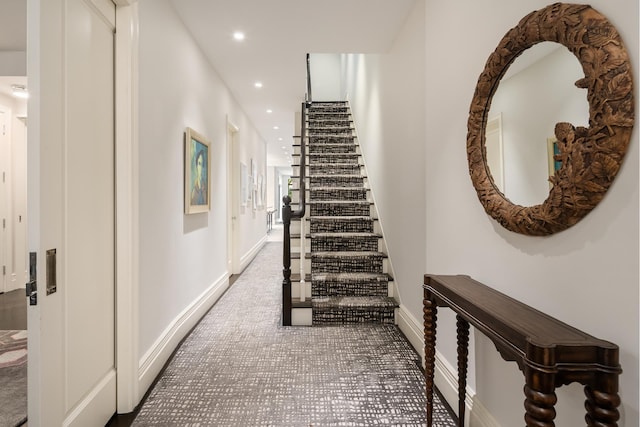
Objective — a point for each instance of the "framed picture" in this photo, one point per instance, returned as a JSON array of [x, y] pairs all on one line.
[[552, 151], [197, 173], [244, 185], [253, 185], [259, 192]]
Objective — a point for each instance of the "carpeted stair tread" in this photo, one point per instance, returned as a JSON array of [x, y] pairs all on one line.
[[339, 202], [345, 277], [339, 242], [344, 235], [348, 254], [356, 302], [331, 139], [353, 309], [353, 224]]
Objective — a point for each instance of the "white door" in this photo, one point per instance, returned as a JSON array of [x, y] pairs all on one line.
[[4, 202], [72, 373]]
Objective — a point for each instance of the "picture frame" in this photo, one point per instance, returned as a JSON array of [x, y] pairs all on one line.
[[197, 173], [553, 164], [244, 185], [259, 191], [254, 184]]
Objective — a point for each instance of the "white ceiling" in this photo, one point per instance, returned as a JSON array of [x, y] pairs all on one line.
[[279, 33], [13, 25]]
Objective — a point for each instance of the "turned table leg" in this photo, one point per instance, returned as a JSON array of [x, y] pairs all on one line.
[[430, 318], [463, 355], [540, 399], [602, 405]]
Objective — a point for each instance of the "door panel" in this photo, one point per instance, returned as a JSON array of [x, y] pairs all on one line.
[[89, 261], [72, 374]]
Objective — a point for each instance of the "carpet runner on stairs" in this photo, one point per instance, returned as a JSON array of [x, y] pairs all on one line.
[[349, 283]]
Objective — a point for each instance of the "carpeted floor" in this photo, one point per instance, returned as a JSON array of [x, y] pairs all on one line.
[[13, 378], [239, 367]]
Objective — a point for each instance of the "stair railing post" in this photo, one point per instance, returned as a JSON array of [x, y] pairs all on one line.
[[286, 262]]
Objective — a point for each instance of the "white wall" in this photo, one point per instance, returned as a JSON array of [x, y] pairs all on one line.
[[13, 63], [386, 92], [586, 276], [183, 257], [14, 166], [325, 76]]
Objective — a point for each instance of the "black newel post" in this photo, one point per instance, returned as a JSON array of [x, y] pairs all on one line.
[[286, 262]]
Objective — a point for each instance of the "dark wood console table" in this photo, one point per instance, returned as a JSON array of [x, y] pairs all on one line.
[[549, 353]]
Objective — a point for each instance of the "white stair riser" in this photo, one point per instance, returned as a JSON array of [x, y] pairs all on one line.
[[302, 317], [296, 289]]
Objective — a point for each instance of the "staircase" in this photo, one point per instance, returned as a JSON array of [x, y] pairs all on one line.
[[350, 280]]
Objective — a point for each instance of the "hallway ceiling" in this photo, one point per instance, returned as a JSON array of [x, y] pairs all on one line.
[[13, 25], [279, 33]]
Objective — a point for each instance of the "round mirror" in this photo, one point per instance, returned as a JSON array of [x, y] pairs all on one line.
[[585, 158], [536, 92]]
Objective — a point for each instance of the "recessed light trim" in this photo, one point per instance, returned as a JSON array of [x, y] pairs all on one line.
[[238, 36], [258, 84]]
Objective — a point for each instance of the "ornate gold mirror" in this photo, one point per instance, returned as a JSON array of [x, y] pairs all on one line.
[[587, 158]]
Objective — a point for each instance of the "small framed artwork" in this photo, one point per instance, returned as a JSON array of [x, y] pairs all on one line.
[[552, 150], [197, 173], [259, 192], [244, 185]]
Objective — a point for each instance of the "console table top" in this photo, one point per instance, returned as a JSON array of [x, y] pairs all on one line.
[[520, 332]]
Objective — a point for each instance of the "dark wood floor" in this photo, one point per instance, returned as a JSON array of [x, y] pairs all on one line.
[[13, 310]]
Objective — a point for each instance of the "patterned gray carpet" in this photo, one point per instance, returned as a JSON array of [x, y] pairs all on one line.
[[13, 378], [239, 367]]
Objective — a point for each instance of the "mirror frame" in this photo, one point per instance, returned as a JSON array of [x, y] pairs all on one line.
[[591, 157]]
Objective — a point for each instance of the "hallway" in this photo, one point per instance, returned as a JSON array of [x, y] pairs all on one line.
[[239, 367]]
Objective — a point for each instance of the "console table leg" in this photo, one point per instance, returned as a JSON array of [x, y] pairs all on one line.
[[463, 355], [540, 398], [430, 318], [602, 408]]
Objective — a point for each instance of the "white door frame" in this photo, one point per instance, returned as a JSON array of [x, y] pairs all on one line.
[[5, 199], [233, 184], [127, 206]]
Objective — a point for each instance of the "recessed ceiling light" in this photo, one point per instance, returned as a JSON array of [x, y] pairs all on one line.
[[238, 35], [284, 148], [258, 84], [269, 111], [276, 128], [280, 139]]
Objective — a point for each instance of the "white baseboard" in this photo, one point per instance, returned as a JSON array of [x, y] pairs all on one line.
[[97, 406], [153, 360], [246, 259], [445, 376]]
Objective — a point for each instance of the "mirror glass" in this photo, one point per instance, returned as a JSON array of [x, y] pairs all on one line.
[[537, 92]]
